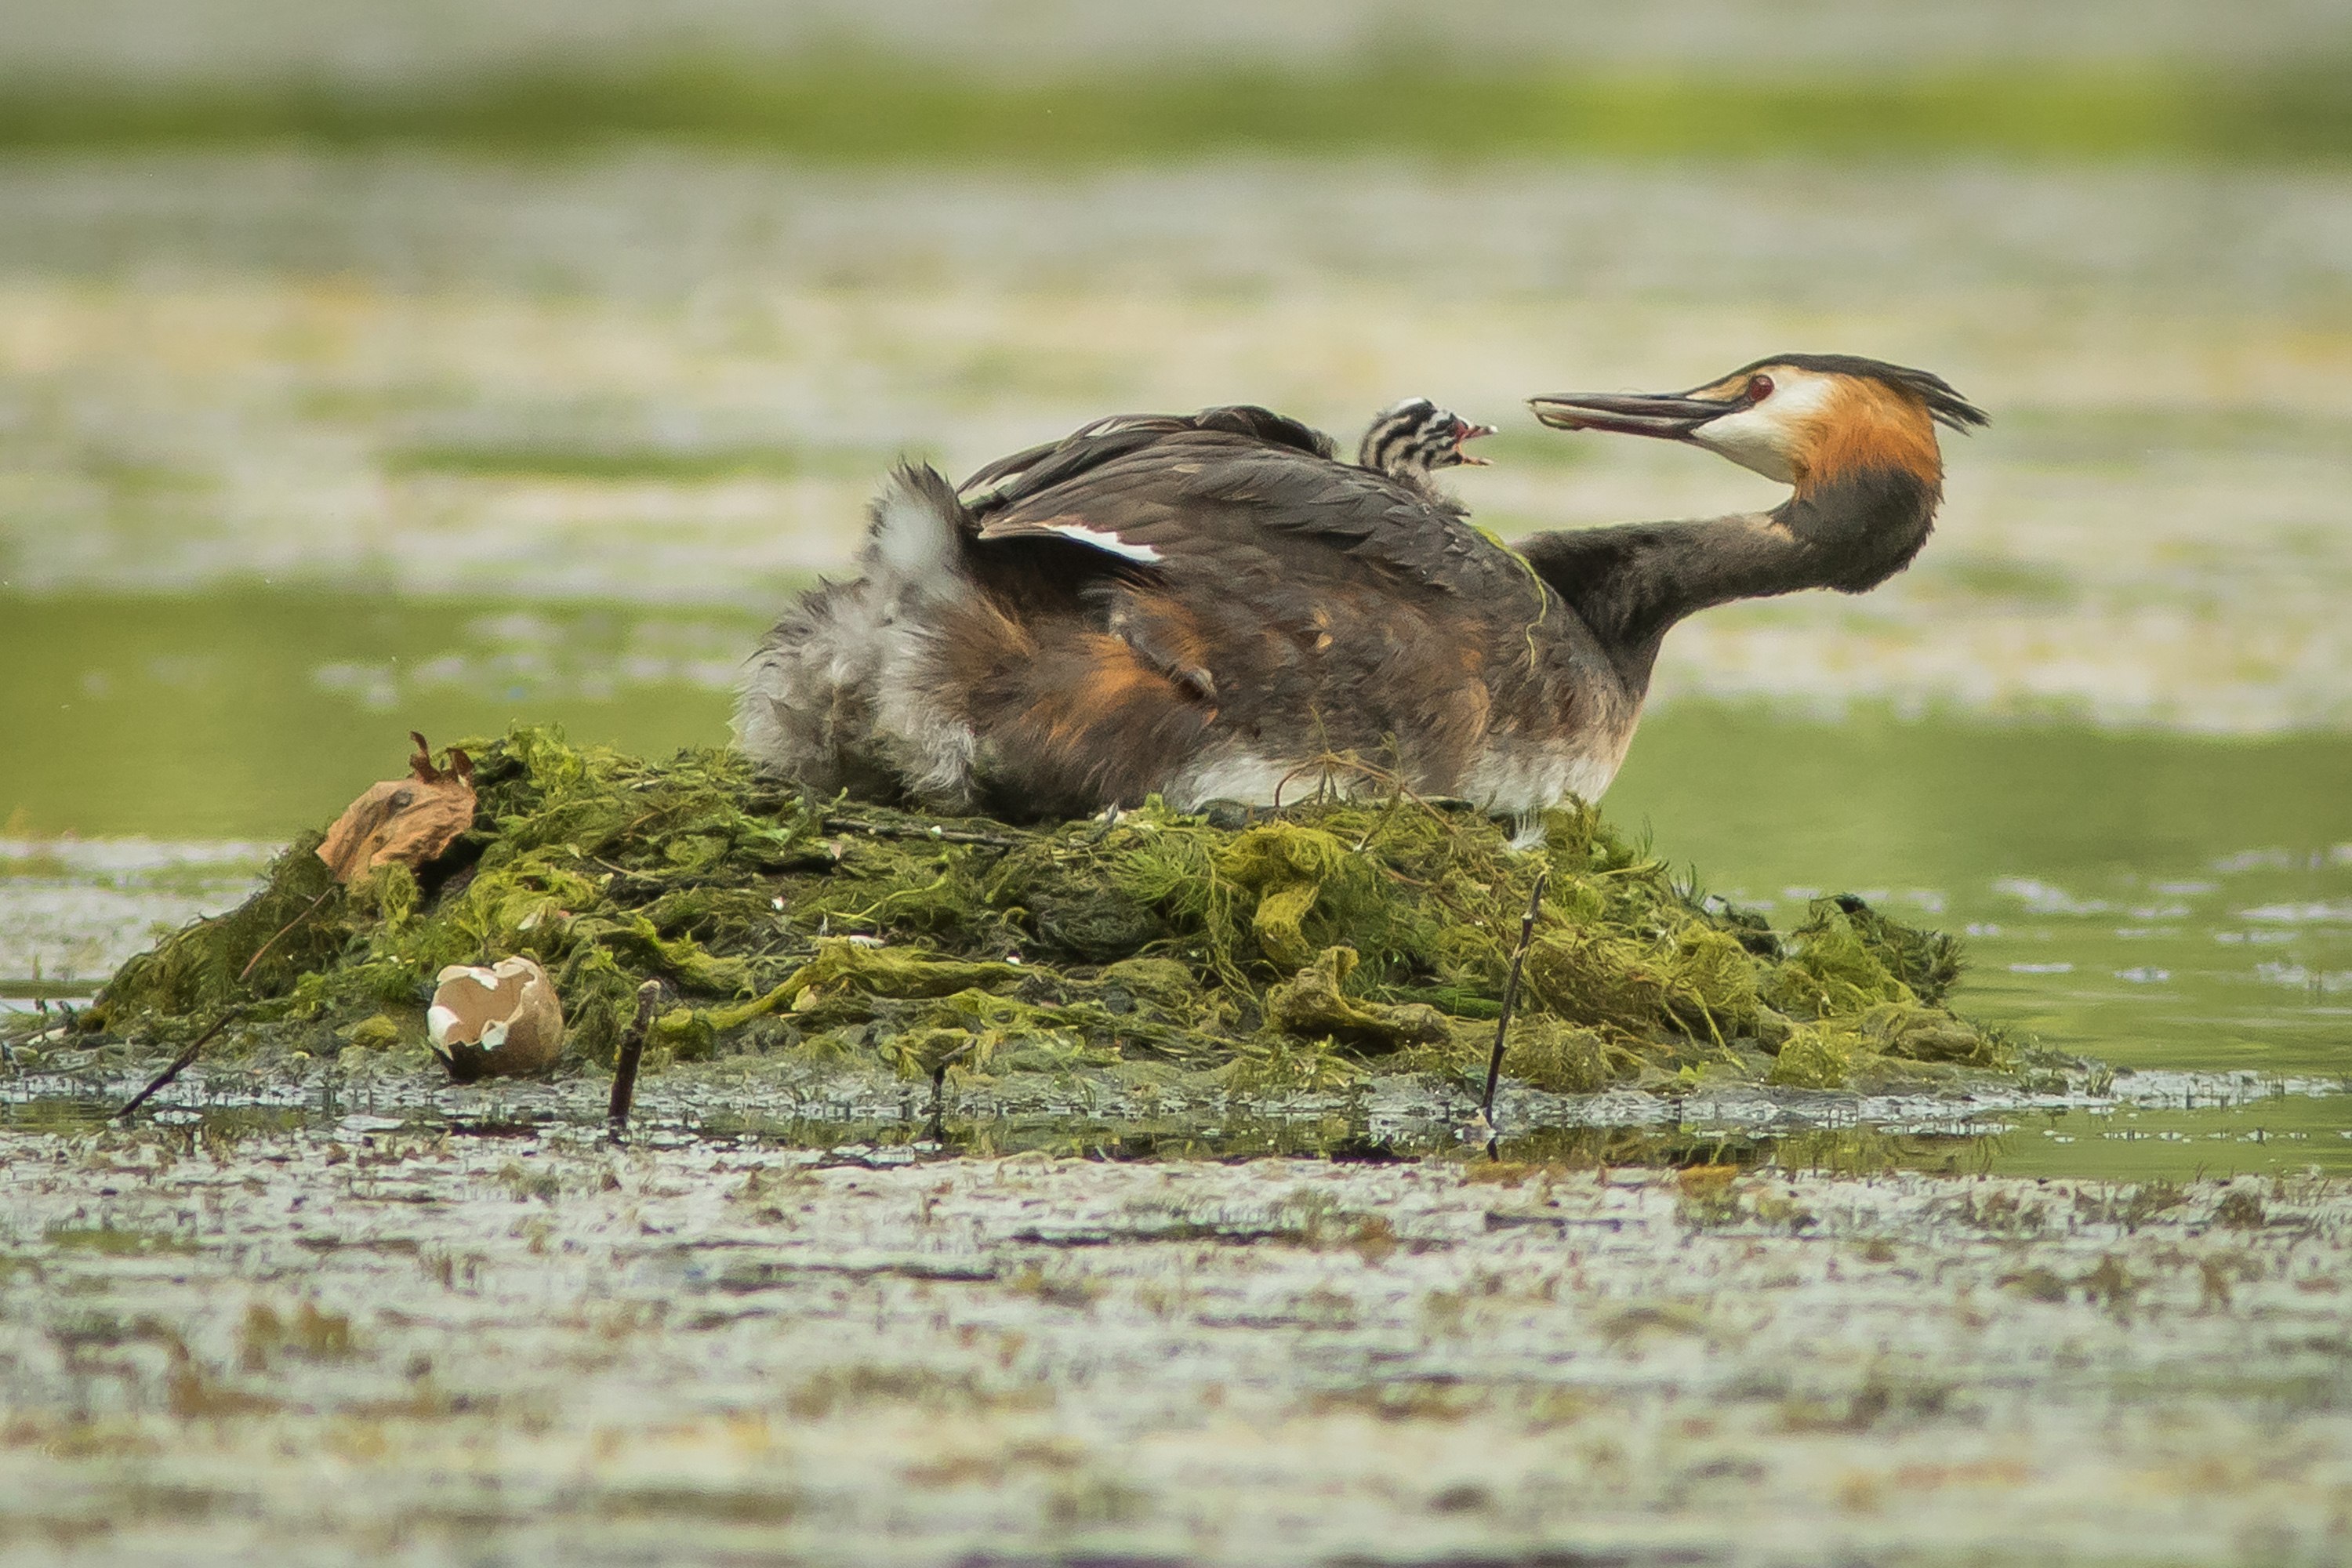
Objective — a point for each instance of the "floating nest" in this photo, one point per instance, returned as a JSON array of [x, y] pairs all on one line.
[[1292, 950]]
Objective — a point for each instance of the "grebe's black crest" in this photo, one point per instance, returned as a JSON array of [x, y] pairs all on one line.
[[1945, 406], [1412, 439]]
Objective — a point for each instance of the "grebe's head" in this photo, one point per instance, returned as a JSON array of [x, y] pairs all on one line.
[[1415, 436], [1802, 419]]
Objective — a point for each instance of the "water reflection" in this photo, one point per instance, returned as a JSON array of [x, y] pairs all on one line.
[[2167, 903], [2234, 1128]]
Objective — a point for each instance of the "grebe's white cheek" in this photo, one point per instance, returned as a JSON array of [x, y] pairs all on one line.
[[1751, 439]]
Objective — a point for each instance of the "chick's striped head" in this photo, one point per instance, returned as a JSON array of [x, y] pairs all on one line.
[[1416, 436]]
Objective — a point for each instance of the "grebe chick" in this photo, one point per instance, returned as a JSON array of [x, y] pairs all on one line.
[[1411, 440]]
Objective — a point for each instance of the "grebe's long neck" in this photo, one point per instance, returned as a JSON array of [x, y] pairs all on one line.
[[1631, 583]]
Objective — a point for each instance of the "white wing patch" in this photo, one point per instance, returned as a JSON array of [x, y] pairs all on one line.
[[1099, 539]]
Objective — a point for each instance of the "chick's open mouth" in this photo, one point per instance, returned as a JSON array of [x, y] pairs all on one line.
[[1464, 431]]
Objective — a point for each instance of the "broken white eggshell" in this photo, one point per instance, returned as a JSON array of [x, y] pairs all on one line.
[[499, 1021]]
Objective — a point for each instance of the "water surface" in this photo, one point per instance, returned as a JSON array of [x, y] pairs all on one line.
[[2164, 902]]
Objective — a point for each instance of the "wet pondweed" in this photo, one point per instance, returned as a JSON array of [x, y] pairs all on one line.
[[1237, 956], [2194, 935]]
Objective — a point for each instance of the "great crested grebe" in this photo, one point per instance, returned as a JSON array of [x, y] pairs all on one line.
[[1201, 607]]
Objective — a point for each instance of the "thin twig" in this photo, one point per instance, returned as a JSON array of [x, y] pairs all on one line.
[[1343, 761], [179, 1062], [1388, 815], [1511, 1000], [633, 1047], [937, 1129], [1339, 762], [910, 830], [282, 931]]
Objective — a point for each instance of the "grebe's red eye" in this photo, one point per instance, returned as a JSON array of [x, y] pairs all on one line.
[[1759, 387]]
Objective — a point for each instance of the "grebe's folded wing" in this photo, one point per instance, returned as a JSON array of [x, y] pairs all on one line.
[[1010, 480], [1210, 499]]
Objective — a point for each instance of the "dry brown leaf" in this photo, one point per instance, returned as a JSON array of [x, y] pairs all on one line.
[[411, 820]]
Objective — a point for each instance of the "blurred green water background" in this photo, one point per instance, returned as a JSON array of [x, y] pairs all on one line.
[[371, 366], [1075, 81]]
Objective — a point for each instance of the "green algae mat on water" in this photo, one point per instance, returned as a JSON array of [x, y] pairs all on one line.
[[1264, 952]]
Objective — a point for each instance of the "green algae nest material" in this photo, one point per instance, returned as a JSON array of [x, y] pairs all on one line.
[[1301, 950]]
